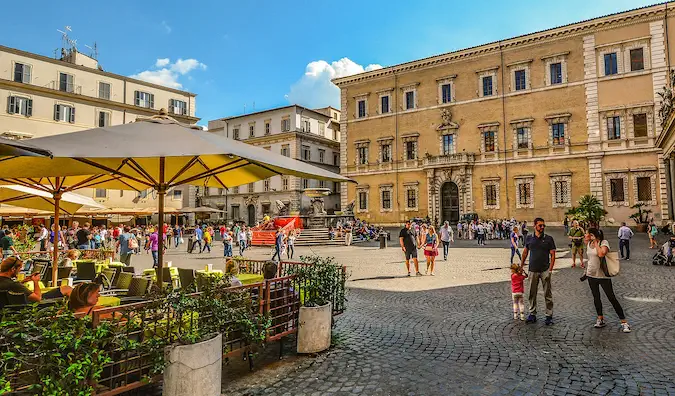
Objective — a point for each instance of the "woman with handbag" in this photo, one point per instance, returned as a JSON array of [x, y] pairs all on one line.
[[431, 248], [598, 275]]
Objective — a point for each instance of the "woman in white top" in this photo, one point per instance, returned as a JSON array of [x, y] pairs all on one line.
[[290, 242], [447, 236], [598, 247], [242, 241]]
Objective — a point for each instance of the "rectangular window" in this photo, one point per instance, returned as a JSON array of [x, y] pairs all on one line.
[[520, 80], [410, 152], [322, 183], [446, 93], [285, 125], [235, 190], [306, 126], [489, 141], [336, 159], [523, 141], [335, 134], [66, 82], [284, 183], [561, 192], [22, 73], [361, 109], [386, 199], [524, 194], [251, 187], [64, 113], [611, 66], [386, 153], [614, 128], [177, 107], [322, 128], [306, 153], [411, 197], [104, 91], [487, 85], [101, 193], [448, 144], [235, 133], [558, 131], [267, 128], [556, 73], [637, 61], [266, 185], [491, 195], [103, 119], [363, 200], [384, 104], [20, 105], [322, 156], [144, 99], [616, 190], [305, 183], [285, 151], [640, 125], [410, 100], [251, 131], [644, 189], [362, 153], [235, 212], [177, 194]]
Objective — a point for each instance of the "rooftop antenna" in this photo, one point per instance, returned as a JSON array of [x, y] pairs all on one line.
[[67, 42], [94, 51]]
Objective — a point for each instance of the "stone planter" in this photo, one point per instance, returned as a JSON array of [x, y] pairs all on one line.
[[194, 369], [315, 329], [641, 227]]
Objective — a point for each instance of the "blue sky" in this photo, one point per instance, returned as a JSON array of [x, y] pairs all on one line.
[[235, 54]]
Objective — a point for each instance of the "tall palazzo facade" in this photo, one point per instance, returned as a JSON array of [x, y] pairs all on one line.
[[517, 128]]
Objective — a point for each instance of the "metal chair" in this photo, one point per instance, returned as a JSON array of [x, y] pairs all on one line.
[[86, 270], [64, 272], [121, 287], [109, 276], [186, 277], [131, 270], [166, 276]]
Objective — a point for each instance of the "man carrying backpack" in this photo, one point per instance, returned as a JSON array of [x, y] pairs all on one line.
[[127, 243]]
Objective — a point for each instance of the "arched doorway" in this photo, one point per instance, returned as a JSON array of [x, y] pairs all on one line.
[[450, 203], [251, 214]]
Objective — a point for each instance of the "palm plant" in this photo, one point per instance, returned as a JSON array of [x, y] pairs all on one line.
[[589, 212]]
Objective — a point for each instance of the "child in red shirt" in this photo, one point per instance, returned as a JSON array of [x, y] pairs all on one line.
[[517, 290]]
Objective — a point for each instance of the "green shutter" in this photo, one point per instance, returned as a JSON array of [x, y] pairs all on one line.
[[11, 100], [152, 101], [29, 107], [72, 115], [57, 112]]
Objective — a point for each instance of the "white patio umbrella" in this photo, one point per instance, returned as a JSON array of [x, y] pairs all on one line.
[[31, 198]]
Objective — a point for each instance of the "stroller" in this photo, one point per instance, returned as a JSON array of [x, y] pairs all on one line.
[[661, 256]]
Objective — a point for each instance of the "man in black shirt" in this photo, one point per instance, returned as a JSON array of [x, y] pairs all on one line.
[[83, 235], [10, 268], [409, 246], [541, 249]]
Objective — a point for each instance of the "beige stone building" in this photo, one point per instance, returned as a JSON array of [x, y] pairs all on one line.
[[518, 128], [42, 96], [309, 135]]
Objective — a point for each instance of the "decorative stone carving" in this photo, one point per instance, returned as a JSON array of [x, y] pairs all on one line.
[[318, 207], [349, 209], [652, 179], [282, 209]]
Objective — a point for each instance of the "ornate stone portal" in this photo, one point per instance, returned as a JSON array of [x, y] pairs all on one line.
[[437, 178]]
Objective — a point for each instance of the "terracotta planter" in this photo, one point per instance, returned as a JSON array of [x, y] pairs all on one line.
[[194, 369], [315, 329], [641, 227]]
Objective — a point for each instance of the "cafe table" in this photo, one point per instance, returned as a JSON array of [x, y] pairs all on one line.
[[108, 301], [151, 271], [247, 279], [43, 289]]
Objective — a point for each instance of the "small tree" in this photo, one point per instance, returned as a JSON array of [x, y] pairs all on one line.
[[589, 212], [642, 215]]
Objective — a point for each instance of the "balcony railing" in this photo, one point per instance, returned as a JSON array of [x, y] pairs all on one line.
[[428, 161], [449, 159], [64, 87]]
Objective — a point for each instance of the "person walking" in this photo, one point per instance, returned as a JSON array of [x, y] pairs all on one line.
[[514, 244], [518, 290], [625, 234], [430, 249], [540, 248], [177, 235], [446, 237], [127, 244], [576, 236], [597, 249], [480, 234], [199, 236], [242, 240], [153, 243], [290, 242], [566, 224], [523, 232], [42, 238], [208, 237], [407, 240], [348, 233], [652, 231], [227, 244], [278, 243]]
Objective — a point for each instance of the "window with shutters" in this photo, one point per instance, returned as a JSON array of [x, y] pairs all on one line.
[[640, 125], [103, 90], [66, 83], [611, 64], [235, 133], [322, 128], [22, 73], [322, 183], [64, 113], [251, 130], [363, 200], [410, 150], [266, 185], [306, 153], [286, 150], [362, 154], [235, 212], [617, 193], [177, 107], [144, 99], [251, 187], [614, 128], [284, 183], [487, 86], [101, 193], [103, 119], [235, 190], [520, 80], [386, 199], [556, 74], [285, 125], [306, 125], [644, 189], [20, 105], [267, 127], [336, 159], [637, 61], [305, 183], [322, 156]]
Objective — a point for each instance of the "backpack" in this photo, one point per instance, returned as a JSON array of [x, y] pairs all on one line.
[[133, 243]]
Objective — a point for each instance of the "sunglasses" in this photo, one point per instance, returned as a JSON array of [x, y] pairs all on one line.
[[541, 225]]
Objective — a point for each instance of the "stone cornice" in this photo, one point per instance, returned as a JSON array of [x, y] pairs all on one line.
[[16, 86], [290, 136], [643, 14]]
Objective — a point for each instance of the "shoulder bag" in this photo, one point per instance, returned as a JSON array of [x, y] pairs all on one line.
[[610, 264]]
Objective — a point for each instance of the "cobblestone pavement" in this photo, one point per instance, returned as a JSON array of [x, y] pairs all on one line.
[[454, 333]]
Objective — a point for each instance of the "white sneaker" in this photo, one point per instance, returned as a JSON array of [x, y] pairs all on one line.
[[599, 323], [515, 316], [625, 327]]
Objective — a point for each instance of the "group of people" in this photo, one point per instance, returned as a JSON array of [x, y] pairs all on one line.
[[240, 235], [415, 236], [482, 230], [540, 248], [363, 230]]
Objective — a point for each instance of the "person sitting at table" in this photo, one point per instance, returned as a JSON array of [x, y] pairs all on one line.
[[11, 267], [232, 270], [67, 262], [84, 298]]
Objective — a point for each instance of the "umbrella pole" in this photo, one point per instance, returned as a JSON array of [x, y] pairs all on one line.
[[57, 229], [161, 192]]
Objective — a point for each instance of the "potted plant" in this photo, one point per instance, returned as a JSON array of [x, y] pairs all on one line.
[[589, 212], [320, 285], [641, 217]]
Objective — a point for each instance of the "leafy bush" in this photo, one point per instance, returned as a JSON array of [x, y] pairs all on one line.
[[642, 215], [321, 282], [589, 212]]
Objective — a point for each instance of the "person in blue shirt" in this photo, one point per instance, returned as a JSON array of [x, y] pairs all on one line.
[[278, 243], [199, 235]]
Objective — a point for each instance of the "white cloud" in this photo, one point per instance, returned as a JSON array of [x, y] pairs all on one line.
[[166, 27], [167, 73], [314, 89]]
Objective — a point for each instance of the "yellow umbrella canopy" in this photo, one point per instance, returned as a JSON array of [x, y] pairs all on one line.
[[31, 198], [158, 153]]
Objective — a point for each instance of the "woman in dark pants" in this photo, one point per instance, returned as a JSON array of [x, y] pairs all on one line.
[[598, 247]]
